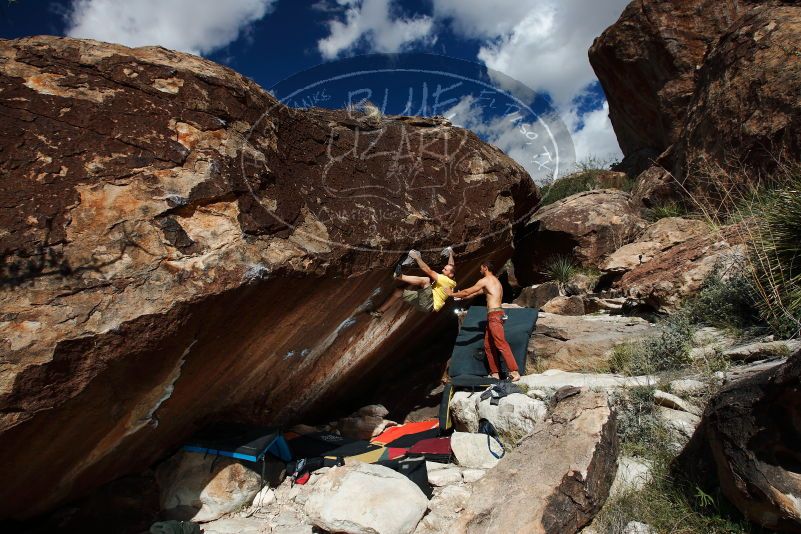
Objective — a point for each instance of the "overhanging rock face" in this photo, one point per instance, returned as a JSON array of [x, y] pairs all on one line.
[[176, 244]]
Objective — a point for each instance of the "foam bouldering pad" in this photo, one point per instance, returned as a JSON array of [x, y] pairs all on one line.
[[393, 433], [316, 443], [240, 441], [468, 356]]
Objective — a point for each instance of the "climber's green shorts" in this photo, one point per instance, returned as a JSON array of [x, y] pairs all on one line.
[[422, 299]]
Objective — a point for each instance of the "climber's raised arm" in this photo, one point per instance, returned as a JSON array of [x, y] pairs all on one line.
[[431, 273]]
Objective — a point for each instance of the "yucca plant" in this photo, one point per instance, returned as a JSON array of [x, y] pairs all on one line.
[[776, 256], [560, 269]]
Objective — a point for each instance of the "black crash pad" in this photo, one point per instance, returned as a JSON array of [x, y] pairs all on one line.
[[468, 356]]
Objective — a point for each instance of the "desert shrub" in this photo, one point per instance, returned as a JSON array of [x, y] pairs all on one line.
[[765, 210], [560, 269], [667, 209], [776, 256], [727, 302], [666, 503], [585, 178], [620, 361], [667, 350]]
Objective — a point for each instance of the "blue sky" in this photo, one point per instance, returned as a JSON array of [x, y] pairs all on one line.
[[541, 43]]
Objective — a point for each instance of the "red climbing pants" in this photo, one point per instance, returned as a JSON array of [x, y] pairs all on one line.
[[495, 343]]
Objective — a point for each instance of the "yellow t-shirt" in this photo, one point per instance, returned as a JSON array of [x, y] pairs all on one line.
[[438, 291]]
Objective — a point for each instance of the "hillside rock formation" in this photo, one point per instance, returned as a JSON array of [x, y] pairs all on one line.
[[545, 486], [178, 245], [646, 63], [748, 442], [746, 109], [586, 227], [703, 82]]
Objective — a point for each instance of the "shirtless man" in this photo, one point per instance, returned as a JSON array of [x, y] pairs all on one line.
[[426, 293], [495, 343]]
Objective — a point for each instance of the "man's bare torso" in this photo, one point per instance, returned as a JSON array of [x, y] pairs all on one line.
[[493, 291]]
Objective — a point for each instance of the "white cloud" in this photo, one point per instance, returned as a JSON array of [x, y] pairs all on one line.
[[592, 133], [196, 26], [482, 19], [372, 22], [542, 43]]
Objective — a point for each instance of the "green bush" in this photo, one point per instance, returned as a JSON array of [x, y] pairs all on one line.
[[668, 209], [586, 178], [667, 350], [729, 303], [776, 256], [560, 269], [666, 503]]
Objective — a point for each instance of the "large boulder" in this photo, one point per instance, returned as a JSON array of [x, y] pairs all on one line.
[[657, 238], [556, 480], [176, 244], [203, 488], [646, 63], [700, 86], [514, 417], [537, 295], [679, 271], [585, 227], [748, 442], [366, 499], [585, 342], [655, 186], [746, 111]]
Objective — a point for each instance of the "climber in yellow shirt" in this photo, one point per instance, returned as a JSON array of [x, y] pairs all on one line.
[[426, 293]]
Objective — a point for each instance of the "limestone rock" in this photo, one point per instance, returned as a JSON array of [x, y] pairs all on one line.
[[515, 416], [646, 63], [688, 386], [556, 480], [586, 226], [673, 274], [657, 238], [239, 525], [473, 475], [632, 475], [762, 350], [366, 499], [655, 186], [554, 379], [635, 527], [673, 402], [747, 443], [745, 112], [537, 295], [565, 306], [444, 508], [581, 343], [474, 451], [445, 477], [683, 424], [160, 242], [204, 488]]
